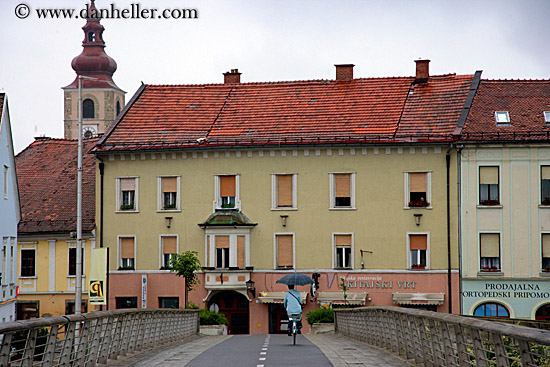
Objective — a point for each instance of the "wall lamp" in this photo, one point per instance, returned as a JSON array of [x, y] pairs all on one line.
[[168, 221], [284, 217], [250, 287], [417, 218]]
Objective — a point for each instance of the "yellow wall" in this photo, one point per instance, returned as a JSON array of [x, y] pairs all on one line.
[[379, 223]]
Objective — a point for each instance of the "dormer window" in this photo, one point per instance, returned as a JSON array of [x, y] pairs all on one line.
[[546, 117], [502, 117]]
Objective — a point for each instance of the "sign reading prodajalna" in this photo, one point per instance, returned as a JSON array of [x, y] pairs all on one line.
[[98, 277]]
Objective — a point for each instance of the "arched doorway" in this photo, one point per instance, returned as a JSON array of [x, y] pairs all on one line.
[[543, 313], [235, 307]]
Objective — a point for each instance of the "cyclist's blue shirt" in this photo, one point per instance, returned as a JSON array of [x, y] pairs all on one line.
[[293, 302]]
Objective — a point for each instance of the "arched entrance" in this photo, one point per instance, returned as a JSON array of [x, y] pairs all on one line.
[[543, 313], [235, 307]]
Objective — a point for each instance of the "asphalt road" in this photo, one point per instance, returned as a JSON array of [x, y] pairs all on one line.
[[262, 351]]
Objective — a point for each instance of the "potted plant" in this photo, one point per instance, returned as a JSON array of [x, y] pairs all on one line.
[[490, 202], [418, 266], [546, 201], [126, 268], [212, 323], [490, 269], [127, 207], [321, 320], [546, 270], [418, 204]]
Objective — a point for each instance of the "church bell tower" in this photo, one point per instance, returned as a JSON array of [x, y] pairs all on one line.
[[102, 99]]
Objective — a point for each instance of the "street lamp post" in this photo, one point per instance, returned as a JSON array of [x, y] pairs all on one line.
[[78, 286]]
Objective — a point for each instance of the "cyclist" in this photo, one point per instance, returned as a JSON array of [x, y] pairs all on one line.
[[293, 306]]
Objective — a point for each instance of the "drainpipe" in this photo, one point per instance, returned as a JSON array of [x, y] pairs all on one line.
[[101, 187], [449, 273], [459, 188]]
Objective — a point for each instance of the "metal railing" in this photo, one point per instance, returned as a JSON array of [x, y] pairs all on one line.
[[434, 339], [88, 339]]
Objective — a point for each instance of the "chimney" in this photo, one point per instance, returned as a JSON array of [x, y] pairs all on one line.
[[344, 71], [232, 77], [422, 71]]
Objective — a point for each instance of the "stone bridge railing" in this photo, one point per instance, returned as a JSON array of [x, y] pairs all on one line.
[[88, 339], [434, 339]]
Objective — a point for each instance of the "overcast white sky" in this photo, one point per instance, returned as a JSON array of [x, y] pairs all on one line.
[[267, 40]]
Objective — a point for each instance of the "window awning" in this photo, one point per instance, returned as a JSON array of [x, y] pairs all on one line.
[[278, 297], [418, 298], [353, 298]]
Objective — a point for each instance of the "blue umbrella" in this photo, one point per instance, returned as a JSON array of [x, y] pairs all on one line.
[[295, 279]]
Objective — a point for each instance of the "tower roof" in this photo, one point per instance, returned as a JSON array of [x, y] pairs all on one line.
[[93, 61]]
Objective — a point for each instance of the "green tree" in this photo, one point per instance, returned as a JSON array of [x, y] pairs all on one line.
[[185, 265]]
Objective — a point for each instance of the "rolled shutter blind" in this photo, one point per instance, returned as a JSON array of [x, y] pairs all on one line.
[[418, 242], [488, 175], [546, 245], [417, 182], [240, 251], [284, 250], [127, 184], [490, 245], [342, 240], [342, 183], [169, 245], [227, 185], [545, 172], [222, 241], [169, 184], [284, 190], [126, 248]]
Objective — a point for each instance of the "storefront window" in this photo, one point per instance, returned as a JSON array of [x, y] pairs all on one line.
[[491, 310], [543, 313]]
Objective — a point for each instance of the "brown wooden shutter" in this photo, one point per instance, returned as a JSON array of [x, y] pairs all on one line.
[[342, 240], [490, 245], [284, 250], [284, 190], [227, 186], [545, 172], [240, 251], [546, 245], [418, 242], [169, 184], [342, 183], [488, 175], [417, 182], [126, 248], [127, 184], [222, 241], [169, 245]]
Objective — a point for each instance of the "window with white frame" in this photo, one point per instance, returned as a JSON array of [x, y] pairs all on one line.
[[28, 262], [418, 193], [343, 245], [284, 250], [283, 191], [502, 117], [72, 261], [228, 249], [545, 185], [546, 117], [342, 190], [545, 252], [126, 253], [4, 276], [6, 171], [489, 185], [227, 192], [489, 252], [127, 194], [168, 193], [418, 250], [169, 249]]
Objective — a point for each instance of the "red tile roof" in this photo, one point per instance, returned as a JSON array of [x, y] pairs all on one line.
[[300, 112], [525, 101], [47, 176]]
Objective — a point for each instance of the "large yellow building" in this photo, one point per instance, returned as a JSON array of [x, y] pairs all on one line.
[[347, 180]]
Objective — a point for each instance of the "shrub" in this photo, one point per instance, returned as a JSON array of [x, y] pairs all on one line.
[[212, 318], [320, 315]]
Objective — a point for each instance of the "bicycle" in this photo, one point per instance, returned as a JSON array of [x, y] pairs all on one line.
[[293, 322]]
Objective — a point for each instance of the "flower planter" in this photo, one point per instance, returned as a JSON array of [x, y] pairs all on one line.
[[213, 329], [322, 328]]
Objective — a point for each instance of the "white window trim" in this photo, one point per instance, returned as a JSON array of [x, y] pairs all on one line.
[[160, 194], [275, 248], [119, 260], [541, 164], [72, 244], [210, 252], [119, 195], [499, 249], [332, 188], [407, 196], [507, 117], [540, 250], [161, 247], [217, 200], [499, 186], [409, 263], [6, 171], [352, 257], [26, 246], [274, 191]]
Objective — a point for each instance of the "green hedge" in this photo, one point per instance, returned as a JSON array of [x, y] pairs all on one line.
[[320, 315], [212, 318]]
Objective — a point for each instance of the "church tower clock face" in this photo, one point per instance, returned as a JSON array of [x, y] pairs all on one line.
[[88, 131]]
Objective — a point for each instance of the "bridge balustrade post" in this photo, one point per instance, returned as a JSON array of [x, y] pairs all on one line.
[[49, 351], [479, 350], [450, 354], [82, 346], [500, 352], [121, 338], [106, 339], [463, 356], [160, 336], [5, 349], [65, 357], [404, 336], [28, 354], [96, 338], [526, 356], [418, 340], [394, 322], [438, 349]]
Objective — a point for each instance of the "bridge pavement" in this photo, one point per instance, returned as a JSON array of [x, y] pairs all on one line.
[[323, 350]]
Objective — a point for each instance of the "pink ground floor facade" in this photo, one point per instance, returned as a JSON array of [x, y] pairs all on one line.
[[260, 311]]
